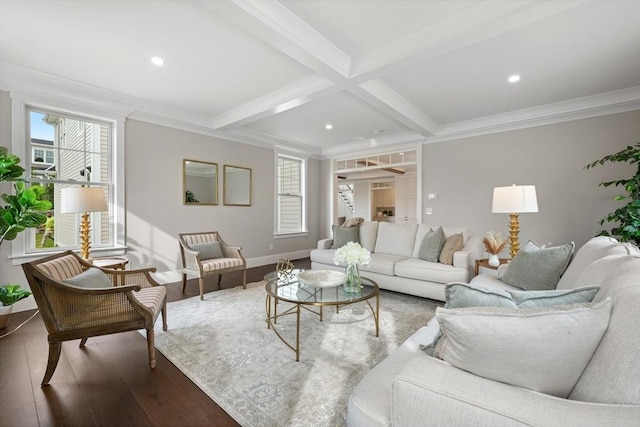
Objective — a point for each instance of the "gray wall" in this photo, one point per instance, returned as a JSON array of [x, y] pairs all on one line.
[[464, 172], [156, 213]]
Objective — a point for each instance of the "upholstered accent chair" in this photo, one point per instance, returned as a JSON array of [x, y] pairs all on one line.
[[204, 254], [78, 301]]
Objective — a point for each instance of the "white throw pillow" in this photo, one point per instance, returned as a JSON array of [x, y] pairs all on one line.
[[544, 350]]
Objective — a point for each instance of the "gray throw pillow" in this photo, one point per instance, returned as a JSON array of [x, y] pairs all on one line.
[[90, 278], [342, 236], [536, 268], [461, 295], [209, 250], [432, 245]]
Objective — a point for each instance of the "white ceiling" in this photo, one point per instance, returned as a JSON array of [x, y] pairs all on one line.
[[384, 73]]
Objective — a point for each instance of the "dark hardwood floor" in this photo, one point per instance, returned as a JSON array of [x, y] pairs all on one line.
[[108, 383]]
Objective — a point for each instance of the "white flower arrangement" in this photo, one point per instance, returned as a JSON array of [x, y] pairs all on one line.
[[352, 254]]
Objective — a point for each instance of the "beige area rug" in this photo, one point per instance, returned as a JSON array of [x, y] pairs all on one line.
[[223, 345]]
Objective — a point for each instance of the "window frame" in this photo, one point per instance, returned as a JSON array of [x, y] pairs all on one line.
[[303, 195], [21, 146]]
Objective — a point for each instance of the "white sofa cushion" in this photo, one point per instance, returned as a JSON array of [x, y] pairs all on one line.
[[505, 344], [396, 239], [382, 264], [368, 235], [596, 248], [414, 268]]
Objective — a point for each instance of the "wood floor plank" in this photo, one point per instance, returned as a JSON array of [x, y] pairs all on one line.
[[108, 383]]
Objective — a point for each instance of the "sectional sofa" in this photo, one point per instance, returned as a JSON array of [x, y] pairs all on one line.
[[411, 388], [395, 263]]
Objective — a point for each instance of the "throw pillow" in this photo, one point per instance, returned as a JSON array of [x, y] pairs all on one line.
[[452, 245], [352, 222], [208, 250], [536, 268], [342, 236], [461, 295], [90, 278], [545, 350], [432, 245]]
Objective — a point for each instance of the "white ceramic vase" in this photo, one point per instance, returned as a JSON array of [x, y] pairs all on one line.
[[494, 261]]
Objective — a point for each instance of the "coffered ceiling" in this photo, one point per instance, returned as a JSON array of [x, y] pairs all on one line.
[[383, 73]]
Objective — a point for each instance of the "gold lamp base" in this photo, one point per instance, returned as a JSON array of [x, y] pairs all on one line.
[[85, 229], [514, 230]]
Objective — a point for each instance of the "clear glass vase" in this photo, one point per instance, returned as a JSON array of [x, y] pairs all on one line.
[[352, 284]]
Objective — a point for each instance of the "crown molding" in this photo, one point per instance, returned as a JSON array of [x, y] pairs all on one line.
[[372, 145], [580, 108]]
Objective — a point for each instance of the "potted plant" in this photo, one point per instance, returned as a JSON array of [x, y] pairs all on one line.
[[628, 216], [9, 295], [23, 210]]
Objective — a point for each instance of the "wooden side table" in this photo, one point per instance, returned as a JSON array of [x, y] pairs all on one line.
[[115, 263], [484, 263]]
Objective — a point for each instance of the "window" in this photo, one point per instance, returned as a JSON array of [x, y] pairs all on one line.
[[67, 150], [290, 204]]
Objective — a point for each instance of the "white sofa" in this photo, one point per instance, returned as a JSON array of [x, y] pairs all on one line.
[[394, 258], [410, 388]]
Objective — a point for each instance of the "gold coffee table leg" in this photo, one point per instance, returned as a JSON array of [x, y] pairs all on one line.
[[297, 333]]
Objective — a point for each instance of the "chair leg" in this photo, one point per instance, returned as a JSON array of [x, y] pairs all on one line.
[[54, 355], [164, 316], [244, 279], [184, 282], [152, 349], [83, 341], [201, 284]]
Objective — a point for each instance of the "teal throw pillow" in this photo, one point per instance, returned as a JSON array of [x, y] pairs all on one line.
[[209, 250], [90, 278], [536, 268], [342, 236], [462, 295], [432, 245]]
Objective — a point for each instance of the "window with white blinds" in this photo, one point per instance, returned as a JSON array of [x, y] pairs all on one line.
[[290, 215]]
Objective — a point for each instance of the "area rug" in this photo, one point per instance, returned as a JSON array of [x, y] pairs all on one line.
[[223, 345]]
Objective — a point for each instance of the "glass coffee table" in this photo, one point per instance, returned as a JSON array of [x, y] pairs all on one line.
[[287, 288]]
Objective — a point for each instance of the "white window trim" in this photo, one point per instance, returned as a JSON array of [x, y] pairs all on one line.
[[304, 189], [108, 113]]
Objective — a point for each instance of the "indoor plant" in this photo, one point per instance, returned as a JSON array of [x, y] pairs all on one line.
[[9, 295], [628, 216], [23, 210]]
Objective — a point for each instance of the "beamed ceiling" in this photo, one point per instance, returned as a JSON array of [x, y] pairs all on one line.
[[382, 73]]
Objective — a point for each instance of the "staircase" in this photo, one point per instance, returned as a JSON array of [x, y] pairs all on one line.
[[345, 192]]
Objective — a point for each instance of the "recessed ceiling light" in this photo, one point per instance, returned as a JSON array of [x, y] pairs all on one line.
[[328, 126], [514, 78], [156, 60]]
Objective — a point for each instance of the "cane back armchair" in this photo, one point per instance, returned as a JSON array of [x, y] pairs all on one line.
[[204, 254], [78, 301]]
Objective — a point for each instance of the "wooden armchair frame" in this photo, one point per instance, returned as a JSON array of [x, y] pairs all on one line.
[[232, 260], [72, 312]]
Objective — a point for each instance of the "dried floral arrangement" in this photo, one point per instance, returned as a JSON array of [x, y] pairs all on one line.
[[494, 243]]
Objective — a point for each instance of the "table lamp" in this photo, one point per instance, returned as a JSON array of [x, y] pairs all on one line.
[[83, 200], [513, 200]]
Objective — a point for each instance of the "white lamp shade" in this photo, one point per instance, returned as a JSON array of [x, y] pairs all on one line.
[[515, 199], [82, 199]]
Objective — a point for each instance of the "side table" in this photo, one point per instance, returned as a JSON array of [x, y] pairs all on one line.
[[115, 263], [484, 263]]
